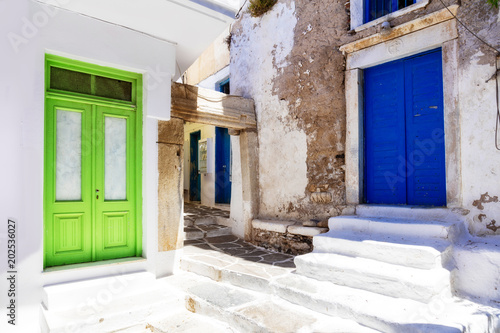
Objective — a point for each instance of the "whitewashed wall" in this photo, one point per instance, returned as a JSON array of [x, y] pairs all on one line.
[[32, 30]]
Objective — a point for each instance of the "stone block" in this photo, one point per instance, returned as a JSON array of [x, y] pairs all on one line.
[[274, 226], [171, 131]]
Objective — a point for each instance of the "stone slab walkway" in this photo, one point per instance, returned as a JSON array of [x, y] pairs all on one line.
[[233, 250], [195, 212]]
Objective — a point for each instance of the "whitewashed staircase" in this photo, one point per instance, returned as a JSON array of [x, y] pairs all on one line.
[[390, 274]]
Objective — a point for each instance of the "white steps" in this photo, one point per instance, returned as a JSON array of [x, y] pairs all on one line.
[[399, 250], [106, 311], [257, 312], [375, 276], [387, 314], [394, 226], [55, 297]]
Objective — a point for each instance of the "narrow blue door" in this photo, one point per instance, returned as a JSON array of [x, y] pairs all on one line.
[[404, 132], [222, 166], [385, 134], [426, 179], [194, 176]]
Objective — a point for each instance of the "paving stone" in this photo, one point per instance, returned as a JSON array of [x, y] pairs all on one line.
[[273, 257], [193, 242], [221, 239]]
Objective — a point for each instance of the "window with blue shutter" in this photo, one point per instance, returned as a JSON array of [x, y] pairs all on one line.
[[378, 8]]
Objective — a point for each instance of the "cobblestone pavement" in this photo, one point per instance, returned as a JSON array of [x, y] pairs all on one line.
[[233, 250], [227, 250], [193, 212]]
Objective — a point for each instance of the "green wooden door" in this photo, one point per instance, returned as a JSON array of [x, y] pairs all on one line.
[[91, 170]]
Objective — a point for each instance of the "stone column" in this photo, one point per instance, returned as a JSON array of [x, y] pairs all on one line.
[[170, 184], [249, 178]]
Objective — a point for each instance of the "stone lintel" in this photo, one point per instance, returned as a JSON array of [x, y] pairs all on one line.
[[204, 106], [401, 30]]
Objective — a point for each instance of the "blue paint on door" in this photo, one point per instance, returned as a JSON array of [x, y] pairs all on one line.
[[404, 132], [194, 176], [222, 166]]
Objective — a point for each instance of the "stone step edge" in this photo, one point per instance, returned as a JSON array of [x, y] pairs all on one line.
[[391, 280], [287, 227], [55, 296], [430, 214], [397, 227], [371, 309], [227, 275], [378, 247], [197, 304], [109, 313]]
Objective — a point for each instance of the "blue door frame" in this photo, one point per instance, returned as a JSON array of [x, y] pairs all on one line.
[[404, 132], [194, 176], [222, 166]]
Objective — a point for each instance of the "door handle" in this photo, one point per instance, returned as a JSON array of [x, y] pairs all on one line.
[[97, 193]]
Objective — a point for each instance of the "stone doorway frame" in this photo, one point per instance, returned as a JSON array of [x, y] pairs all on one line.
[[361, 56]]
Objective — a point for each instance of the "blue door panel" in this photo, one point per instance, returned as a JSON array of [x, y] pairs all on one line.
[[222, 166], [194, 176], [424, 130], [384, 135], [404, 132]]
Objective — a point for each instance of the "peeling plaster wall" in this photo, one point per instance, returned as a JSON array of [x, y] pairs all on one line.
[[287, 62], [477, 103]]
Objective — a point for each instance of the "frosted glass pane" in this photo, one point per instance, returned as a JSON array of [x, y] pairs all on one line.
[[68, 155], [115, 158]]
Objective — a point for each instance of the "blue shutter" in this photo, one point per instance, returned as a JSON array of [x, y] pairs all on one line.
[[426, 179], [385, 134]]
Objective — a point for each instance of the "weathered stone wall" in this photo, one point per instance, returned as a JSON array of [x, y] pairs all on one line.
[[282, 242], [288, 62], [478, 107]]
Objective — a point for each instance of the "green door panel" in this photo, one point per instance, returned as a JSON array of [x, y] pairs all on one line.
[[68, 222], [115, 184]]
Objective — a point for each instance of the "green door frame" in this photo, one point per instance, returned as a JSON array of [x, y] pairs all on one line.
[[89, 106]]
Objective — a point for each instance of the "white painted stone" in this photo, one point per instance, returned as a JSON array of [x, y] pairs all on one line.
[[409, 212], [106, 311], [387, 314], [305, 231], [477, 271], [480, 160], [280, 138], [274, 226], [56, 296], [375, 276], [393, 226], [399, 250], [257, 312]]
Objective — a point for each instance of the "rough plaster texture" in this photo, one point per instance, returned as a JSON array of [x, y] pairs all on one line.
[[286, 61], [477, 103], [170, 180]]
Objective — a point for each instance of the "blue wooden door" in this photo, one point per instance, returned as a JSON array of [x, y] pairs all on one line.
[[194, 176], [222, 166], [404, 132]]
